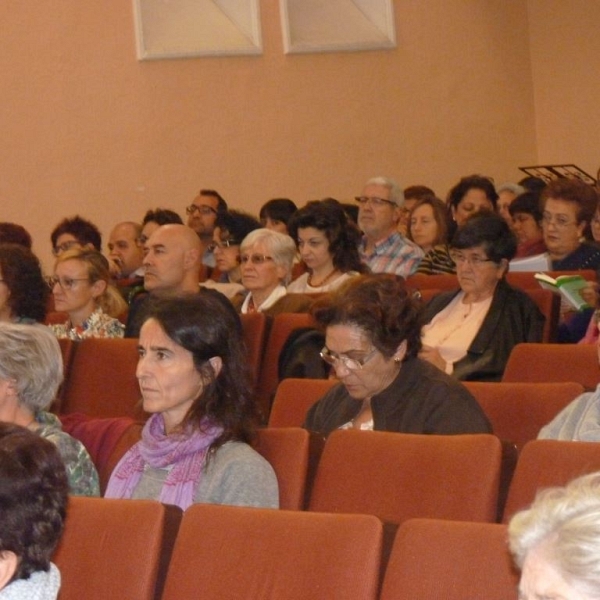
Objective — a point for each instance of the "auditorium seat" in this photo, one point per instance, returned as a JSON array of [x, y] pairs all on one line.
[[397, 476], [240, 553], [254, 330], [115, 548]]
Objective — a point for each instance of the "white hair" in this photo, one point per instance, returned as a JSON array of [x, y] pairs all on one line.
[[515, 188], [279, 245], [568, 519], [396, 192]]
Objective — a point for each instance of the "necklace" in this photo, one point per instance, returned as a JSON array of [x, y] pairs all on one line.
[[323, 282]]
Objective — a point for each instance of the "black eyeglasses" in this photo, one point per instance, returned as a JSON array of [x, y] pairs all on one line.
[[203, 209], [223, 244], [373, 200]]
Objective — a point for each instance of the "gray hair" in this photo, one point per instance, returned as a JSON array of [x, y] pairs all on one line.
[[568, 518], [396, 192], [279, 245], [31, 357], [515, 188]]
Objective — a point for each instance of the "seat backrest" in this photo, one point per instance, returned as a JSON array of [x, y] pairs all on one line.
[[441, 282], [554, 362], [452, 560], [287, 450], [283, 324], [115, 548], [102, 380], [517, 411], [67, 350], [397, 476], [237, 553], [549, 305], [254, 331], [547, 463], [294, 397]]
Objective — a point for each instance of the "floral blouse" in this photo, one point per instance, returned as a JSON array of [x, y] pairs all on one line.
[[97, 325]]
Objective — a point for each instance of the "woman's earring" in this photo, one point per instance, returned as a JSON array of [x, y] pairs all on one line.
[[397, 360]]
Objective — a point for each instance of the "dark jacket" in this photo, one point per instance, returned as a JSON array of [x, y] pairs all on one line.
[[513, 318], [422, 399]]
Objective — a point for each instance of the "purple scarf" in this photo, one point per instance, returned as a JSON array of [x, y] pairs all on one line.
[[184, 451]]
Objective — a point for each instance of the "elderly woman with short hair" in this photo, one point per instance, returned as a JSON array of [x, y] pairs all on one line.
[[556, 542], [266, 259], [31, 371]]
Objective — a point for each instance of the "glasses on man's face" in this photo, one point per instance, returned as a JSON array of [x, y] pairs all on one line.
[[373, 201], [222, 244], [255, 259], [203, 209], [458, 258], [66, 283], [64, 247], [350, 363], [559, 221]]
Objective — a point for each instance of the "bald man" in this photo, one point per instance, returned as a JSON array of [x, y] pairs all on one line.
[[172, 258]]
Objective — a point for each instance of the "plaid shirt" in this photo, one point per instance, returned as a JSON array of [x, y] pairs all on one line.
[[394, 254]]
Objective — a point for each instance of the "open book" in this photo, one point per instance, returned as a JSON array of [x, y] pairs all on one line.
[[568, 286]]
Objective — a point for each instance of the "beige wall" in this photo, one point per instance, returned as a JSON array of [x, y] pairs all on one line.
[[87, 128], [565, 53]]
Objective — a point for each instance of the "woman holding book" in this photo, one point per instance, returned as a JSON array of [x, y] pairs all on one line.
[[470, 332]]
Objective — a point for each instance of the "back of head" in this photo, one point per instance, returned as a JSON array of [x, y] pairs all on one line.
[[277, 209], [489, 230], [238, 224], [11, 233], [33, 498], [85, 232], [379, 304], [31, 357], [567, 519]]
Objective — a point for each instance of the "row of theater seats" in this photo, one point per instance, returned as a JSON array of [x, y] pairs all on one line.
[[408, 515], [216, 552]]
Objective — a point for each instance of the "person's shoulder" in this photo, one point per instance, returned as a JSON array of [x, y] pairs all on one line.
[[234, 453]]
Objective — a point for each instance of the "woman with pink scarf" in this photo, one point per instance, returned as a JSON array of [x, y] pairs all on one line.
[[195, 446]]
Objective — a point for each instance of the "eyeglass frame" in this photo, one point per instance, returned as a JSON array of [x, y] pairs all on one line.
[[331, 359], [222, 244], [58, 250], [66, 283], [557, 221], [472, 261], [374, 201], [203, 209], [255, 259]]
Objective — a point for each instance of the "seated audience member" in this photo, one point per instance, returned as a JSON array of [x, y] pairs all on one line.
[[193, 379], [75, 232], [202, 214], [470, 195], [372, 341], [533, 184], [469, 333], [527, 225], [412, 195], [126, 253], [427, 225], [276, 213], [556, 542], [568, 207], [153, 219], [23, 290], [596, 223], [328, 246], [11, 233], [231, 228], [383, 249], [81, 289], [33, 507], [31, 370], [266, 258], [507, 192]]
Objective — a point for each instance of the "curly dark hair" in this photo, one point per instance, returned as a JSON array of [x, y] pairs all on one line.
[[381, 305], [84, 231], [13, 233], [22, 274], [206, 325], [343, 236], [238, 224], [33, 498], [478, 182]]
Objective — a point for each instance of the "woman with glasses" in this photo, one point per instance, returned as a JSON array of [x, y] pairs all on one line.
[[195, 447], [469, 333], [81, 289], [372, 341], [328, 245], [23, 290], [231, 228], [266, 260]]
